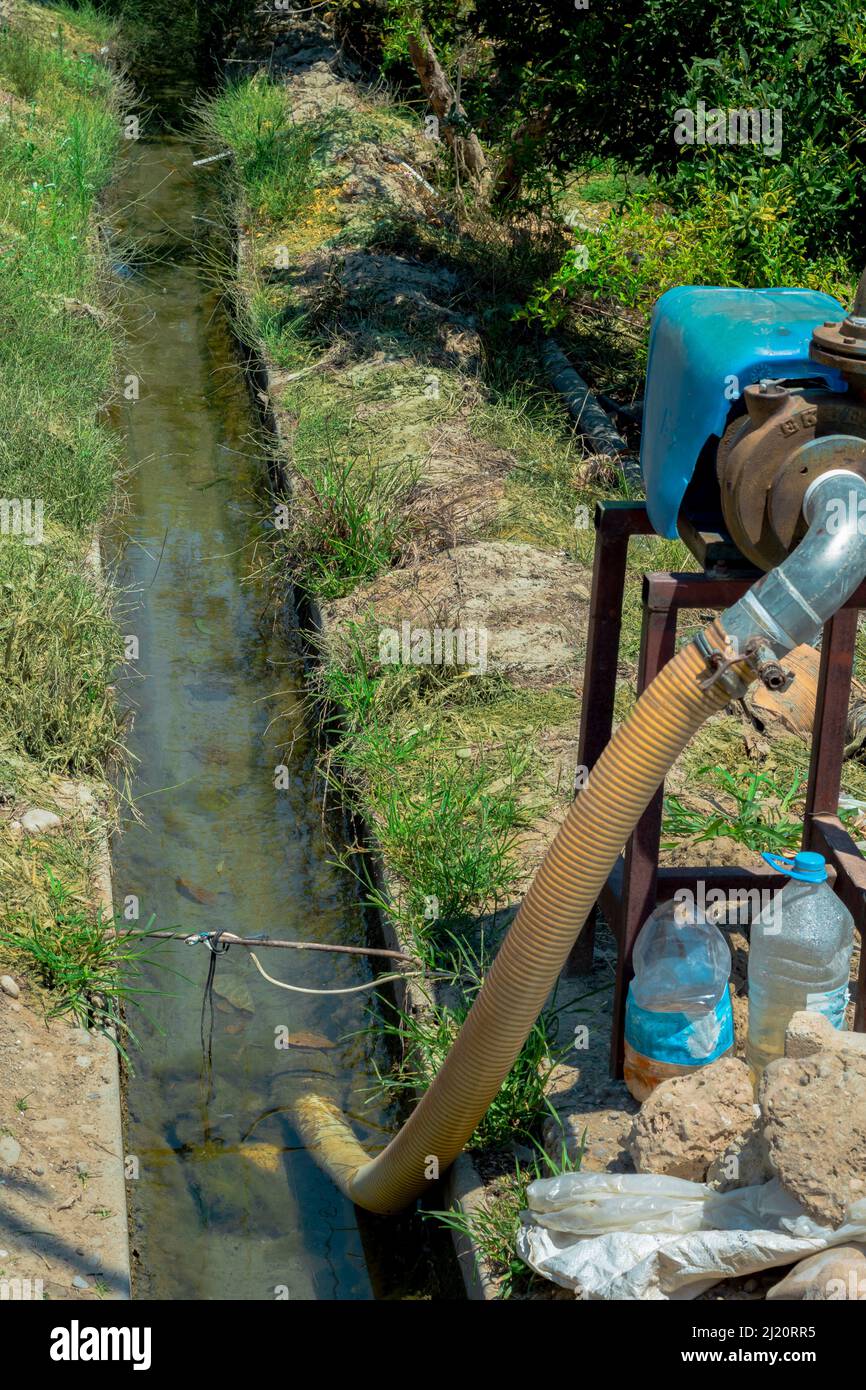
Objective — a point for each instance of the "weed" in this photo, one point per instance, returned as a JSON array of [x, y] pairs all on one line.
[[89, 965], [348, 523], [494, 1225], [59, 649], [521, 1103], [758, 817]]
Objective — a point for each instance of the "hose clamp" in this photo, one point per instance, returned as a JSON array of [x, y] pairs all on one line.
[[755, 653]]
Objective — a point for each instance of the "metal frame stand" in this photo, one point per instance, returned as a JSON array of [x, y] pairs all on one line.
[[637, 883]]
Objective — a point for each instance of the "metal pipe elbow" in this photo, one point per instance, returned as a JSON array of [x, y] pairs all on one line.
[[791, 604]]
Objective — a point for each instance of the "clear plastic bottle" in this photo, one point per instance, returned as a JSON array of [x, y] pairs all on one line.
[[678, 1011], [799, 956]]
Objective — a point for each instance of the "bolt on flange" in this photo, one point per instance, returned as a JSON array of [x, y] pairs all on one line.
[[843, 346]]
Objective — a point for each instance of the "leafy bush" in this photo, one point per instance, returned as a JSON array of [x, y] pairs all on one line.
[[725, 237]]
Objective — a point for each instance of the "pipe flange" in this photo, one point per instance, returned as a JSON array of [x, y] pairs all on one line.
[[843, 346]]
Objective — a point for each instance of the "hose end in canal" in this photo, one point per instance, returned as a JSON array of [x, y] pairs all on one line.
[[330, 1138], [785, 607]]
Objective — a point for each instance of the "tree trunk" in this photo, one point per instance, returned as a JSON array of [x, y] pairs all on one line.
[[468, 153], [527, 135]]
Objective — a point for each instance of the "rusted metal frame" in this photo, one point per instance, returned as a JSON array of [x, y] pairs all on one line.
[[657, 646], [823, 831]]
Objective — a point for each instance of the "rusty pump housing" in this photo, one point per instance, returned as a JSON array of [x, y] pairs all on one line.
[[790, 435]]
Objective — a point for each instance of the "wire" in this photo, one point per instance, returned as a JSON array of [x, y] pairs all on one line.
[[216, 948], [354, 989]]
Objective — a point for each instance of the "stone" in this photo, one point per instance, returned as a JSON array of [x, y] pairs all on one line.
[[10, 1151], [235, 991], [73, 794], [689, 1122], [808, 1033], [80, 1283], [814, 1120], [835, 1274], [9, 986], [743, 1164], [37, 822]]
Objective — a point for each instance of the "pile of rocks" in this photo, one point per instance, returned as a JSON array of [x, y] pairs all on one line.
[[807, 1129]]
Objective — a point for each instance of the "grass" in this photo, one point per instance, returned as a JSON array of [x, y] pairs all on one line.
[[347, 522], [87, 965], [755, 815], [521, 1104], [445, 823], [60, 135], [59, 648], [494, 1225]]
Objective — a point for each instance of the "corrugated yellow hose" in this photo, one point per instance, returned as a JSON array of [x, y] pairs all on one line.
[[533, 953]]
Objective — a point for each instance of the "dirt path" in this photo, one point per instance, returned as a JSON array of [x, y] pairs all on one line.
[[63, 1219]]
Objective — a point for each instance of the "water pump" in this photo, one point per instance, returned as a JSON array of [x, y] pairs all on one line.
[[751, 396]]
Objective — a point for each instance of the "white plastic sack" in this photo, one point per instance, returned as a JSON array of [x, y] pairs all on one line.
[[642, 1236]]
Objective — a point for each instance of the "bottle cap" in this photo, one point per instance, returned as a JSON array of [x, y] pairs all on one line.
[[805, 865]]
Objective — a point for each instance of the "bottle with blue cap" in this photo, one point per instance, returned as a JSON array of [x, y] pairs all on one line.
[[799, 956]]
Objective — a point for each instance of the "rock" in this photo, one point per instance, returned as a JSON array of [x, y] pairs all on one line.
[[234, 991], [73, 794], [9, 986], [809, 1033], [838, 1273], [10, 1151], [743, 1164], [37, 822], [80, 1283], [814, 1118], [690, 1121]]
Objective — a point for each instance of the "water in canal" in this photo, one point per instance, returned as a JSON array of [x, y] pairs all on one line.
[[224, 1203]]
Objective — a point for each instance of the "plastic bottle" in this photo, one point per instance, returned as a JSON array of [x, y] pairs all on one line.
[[678, 1012], [799, 956]]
